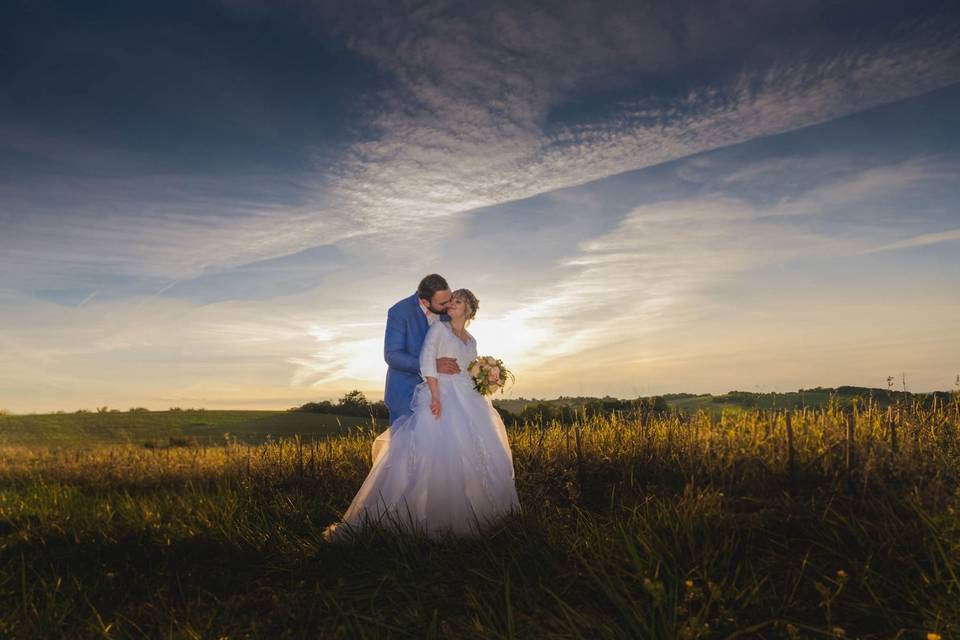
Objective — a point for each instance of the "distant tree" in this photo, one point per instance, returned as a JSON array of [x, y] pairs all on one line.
[[654, 406], [379, 409], [659, 405], [353, 403], [743, 398], [324, 406], [539, 413]]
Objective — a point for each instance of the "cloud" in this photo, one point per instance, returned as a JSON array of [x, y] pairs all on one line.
[[638, 296], [156, 228], [468, 124], [661, 266], [487, 104], [923, 240], [158, 352], [478, 114]]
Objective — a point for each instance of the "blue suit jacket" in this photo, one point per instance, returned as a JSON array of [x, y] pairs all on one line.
[[406, 328]]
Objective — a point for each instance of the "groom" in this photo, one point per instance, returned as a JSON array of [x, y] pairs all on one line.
[[407, 324]]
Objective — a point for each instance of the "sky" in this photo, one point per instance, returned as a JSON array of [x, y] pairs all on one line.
[[213, 203]]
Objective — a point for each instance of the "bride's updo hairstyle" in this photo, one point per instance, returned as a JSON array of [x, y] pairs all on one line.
[[469, 300]]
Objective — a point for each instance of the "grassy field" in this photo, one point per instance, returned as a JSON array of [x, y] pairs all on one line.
[[157, 427], [818, 398], [674, 527]]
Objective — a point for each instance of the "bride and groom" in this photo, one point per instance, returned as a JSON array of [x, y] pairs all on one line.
[[444, 465]]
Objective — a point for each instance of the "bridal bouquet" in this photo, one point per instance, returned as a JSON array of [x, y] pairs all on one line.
[[489, 375]]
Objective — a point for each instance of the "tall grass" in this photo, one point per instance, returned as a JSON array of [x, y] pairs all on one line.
[[632, 526]]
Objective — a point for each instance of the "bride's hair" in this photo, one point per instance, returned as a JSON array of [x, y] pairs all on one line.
[[469, 299]]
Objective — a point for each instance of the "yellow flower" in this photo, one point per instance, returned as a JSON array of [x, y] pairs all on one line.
[[841, 573], [689, 584], [933, 636]]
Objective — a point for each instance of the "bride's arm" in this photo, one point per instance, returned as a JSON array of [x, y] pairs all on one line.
[[428, 365], [435, 407]]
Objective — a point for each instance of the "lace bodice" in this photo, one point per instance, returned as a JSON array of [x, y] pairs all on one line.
[[440, 342]]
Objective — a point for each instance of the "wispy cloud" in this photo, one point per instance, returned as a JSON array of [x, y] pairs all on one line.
[[605, 307], [472, 119], [468, 125], [661, 263], [90, 297], [923, 240], [159, 228]]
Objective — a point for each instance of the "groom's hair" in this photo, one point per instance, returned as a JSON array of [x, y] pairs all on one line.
[[430, 285]]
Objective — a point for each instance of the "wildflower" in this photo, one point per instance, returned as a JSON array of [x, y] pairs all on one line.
[[689, 584], [933, 636]]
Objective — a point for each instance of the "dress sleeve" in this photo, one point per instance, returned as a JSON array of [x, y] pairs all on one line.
[[429, 351], [473, 348]]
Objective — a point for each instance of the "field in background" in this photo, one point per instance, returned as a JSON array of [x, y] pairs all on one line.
[[754, 524], [157, 428], [816, 398], [203, 426]]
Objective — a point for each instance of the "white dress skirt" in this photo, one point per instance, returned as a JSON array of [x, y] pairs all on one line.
[[452, 474]]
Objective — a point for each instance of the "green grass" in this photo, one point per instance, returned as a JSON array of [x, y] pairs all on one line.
[[763, 401], [668, 528], [818, 398], [205, 426]]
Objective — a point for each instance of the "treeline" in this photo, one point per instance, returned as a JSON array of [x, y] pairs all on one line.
[[742, 398], [567, 410], [353, 403], [887, 396], [819, 396], [546, 412]]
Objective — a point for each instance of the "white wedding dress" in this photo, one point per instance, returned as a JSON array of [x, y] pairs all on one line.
[[438, 475]]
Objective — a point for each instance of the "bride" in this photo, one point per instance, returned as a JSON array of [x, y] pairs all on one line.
[[447, 467]]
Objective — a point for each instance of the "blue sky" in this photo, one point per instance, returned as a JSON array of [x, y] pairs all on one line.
[[213, 204]]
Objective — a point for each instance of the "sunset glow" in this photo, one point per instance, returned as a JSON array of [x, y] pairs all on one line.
[[697, 208]]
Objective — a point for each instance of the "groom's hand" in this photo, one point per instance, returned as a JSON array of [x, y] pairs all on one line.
[[448, 365]]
